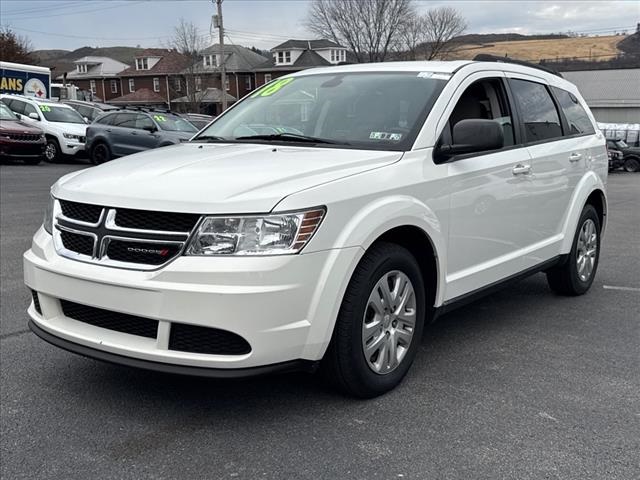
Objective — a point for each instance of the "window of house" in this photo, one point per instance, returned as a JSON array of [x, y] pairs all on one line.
[[114, 86], [267, 77], [156, 84], [82, 68], [92, 86], [577, 118], [198, 82], [177, 84], [247, 82], [539, 115], [210, 61], [284, 57], [132, 85], [226, 83], [142, 64]]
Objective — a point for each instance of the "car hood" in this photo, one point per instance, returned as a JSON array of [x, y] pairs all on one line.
[[13, 126], [215, 178], [72, 128]]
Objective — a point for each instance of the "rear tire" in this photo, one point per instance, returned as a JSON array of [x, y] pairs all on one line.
[[632, 165], [100, 153], [576, 274], [388, 331], [52, 152]]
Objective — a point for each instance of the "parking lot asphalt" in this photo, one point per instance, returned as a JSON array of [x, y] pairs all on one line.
[[522, 384]]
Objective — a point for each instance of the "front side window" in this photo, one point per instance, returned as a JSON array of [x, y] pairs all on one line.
[[380, 111], [29, 109], [54, 113], [577, 118], [485, 99], [143, 122], [537, 110]]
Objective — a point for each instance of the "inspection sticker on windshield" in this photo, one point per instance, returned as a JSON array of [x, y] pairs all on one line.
[[385, 136]]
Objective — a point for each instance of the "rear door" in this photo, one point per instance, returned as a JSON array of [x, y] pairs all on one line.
[[557, 165], [121, 134]]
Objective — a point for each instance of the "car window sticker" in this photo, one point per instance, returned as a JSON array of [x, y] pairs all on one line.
[[385, 136], [272, 88]]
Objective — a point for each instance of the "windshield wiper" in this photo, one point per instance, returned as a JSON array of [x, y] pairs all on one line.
[[290, 137], [209, 139]]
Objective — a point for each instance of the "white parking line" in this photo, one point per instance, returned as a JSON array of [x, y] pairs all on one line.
[[626, 289]]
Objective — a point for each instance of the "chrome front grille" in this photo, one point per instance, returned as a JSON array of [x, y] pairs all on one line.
[[25, 137], [124, 238]]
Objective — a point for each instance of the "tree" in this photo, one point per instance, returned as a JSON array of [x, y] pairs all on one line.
[[15, 48], [433, 34], [187, 41], [369, 28]]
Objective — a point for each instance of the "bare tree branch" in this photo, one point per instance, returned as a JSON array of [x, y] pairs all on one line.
[[187, 41], [369, 28], [431, 35], [15, 48]]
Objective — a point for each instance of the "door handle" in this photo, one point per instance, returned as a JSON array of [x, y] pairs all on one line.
[[521, 169], [108, 130], [574, 157]]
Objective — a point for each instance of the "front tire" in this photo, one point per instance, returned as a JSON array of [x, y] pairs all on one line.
[[380, 323], [632, 165], [52, 152], [100, 153], [576, 274]]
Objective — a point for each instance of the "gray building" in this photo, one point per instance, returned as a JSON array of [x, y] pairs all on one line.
[[612, 95]]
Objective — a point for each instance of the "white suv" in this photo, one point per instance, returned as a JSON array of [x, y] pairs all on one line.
[[64, 128], [323, 220]]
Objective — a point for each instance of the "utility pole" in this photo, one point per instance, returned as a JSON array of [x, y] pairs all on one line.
[[223, 69]]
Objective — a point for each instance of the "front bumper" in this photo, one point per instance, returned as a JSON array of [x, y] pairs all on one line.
[[71, 147], [283, 306], [15, 149]]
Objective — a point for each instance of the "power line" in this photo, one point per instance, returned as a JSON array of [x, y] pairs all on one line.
[[68, 14], [58, 6]]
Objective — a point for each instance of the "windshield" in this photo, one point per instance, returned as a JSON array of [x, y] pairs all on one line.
[[6, 114], [61, 114], [173, 123], [359, 110]]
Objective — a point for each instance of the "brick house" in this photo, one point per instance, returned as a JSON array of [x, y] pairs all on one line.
[[295, 55], [97, 77], [157, 70]]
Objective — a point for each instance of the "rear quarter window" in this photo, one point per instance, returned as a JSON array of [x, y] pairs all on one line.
[[577, 118]]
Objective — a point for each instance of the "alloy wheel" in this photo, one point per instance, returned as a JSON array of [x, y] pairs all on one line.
[[50, 152], [587, 250], [389, 322]]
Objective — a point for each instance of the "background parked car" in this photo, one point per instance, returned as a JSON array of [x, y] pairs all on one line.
[[124, 132], [630, 160], [18, 139], [198, 120], [90, 110], [63, 127]]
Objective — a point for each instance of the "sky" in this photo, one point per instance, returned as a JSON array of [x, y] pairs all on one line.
[[70, 24]]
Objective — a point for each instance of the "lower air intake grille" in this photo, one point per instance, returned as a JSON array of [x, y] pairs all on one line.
[[190, 338], [119, 322], [36, 301], [77, 243]]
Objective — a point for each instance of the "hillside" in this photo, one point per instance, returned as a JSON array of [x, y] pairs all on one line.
[[62, 60], [598, 48]]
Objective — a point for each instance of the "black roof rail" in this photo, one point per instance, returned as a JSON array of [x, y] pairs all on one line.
[[485, 57]]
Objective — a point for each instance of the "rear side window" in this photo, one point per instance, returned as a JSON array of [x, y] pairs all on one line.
[[537, 111], [106, 119], [17, 106], [577, 118], [126, 120]]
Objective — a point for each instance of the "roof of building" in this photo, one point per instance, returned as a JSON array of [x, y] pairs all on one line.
[[171, 62], [307, 44], [97, 67], [140, 96], [208, 95], [238, 59], [307, 59], [608, 88]]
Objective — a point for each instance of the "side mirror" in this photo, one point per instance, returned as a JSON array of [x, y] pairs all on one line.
[[150, 128], [34, 116], [18, 116], [472, 135], [86, 120]]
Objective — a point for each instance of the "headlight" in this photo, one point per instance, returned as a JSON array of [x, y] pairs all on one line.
[[71, 136], [48, 217], [255, 235]]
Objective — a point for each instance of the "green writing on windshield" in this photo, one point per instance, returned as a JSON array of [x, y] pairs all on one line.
[[272, 88], [45, 108], [159, 118]]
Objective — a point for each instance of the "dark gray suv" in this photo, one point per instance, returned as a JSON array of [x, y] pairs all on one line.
[[124, 132]]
